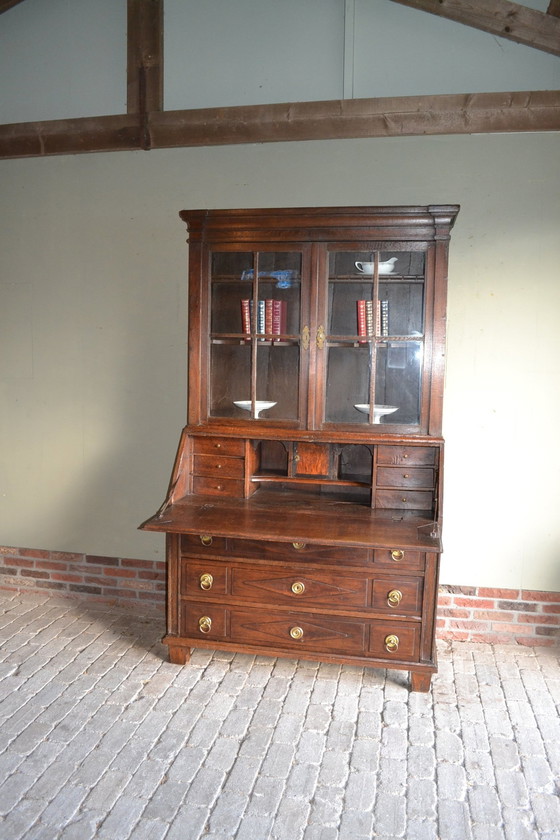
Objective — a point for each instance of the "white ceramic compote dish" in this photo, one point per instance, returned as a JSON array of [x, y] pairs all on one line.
[[260, 405], [379, 411]]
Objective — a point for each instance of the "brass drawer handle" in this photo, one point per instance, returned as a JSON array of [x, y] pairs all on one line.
[[298, 587], [391, 643], [206, 582], [206, 539], [296, 633], [394, 597], [205, 624], [397, 554], [298, 545]]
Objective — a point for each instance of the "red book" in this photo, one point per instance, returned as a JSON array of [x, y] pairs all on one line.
[[279, 316], [246, 316], [362, 326]]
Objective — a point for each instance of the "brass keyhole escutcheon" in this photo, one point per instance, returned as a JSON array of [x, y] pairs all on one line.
[[205, 624], [206, 582], [298, 545], [391, 643], [296, 633], [305, 338], [397, 554], [298, 587], [320, 340], [394, 597], [206, 539]]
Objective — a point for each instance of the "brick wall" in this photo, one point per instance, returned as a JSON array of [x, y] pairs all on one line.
[[112, 580], [465, 613]]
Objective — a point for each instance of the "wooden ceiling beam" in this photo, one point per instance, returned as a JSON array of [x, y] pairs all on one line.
[[540, 30], [8, 4], [144, 56], [479, 113]]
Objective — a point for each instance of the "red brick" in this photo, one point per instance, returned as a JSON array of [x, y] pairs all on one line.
[[485, 592], [457, 635], [34, 552], [535, 595], [21, 562], [493, 638], [101, 560], [516, 628], [124, 573], [481, 603], [471, 626], [138, 564], [550, 608], [69, 578], [444, 600], [48, 565], [493, 615], [450, 612], [68, 556], [33, 573], [539, 618], [547, 631]]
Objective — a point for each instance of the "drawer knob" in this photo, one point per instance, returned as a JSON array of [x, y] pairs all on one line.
[[391, 643], [296, 633], [206, 539], [406, 475], [206, 582], [397, 554], [205, 624], [298, 545], [298, 587], [394, 597]]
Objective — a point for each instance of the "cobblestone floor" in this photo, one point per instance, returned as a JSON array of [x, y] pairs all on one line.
[[102, 738]]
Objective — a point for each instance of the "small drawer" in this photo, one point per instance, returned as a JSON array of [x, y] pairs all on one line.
[[406, 478], [403, 558], [396, 640], [219, 466], [206, 486], [222, 446], [296, 551], [204, 621], [397, 455], [404, 499], [398, 595], [205, 543], [299, 632], [295, 586], [204, 578]]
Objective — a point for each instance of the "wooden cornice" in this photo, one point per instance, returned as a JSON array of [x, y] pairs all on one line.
[[540, 30], [337, 119]]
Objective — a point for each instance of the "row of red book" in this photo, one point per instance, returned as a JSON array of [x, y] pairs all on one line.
[[366, 325], [271, 316]]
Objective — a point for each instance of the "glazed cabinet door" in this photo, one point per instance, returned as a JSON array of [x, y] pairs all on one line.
[[258, 326], [372, 338]]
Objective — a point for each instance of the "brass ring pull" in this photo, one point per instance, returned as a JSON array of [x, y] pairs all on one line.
[[397, 554], [298, 545], [296, 633], [298, 587], [394, 597], [206, 539], [205, 624], [206, 582], [391, 643]]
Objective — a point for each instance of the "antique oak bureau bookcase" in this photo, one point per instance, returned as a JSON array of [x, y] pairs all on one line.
[[303, 516]]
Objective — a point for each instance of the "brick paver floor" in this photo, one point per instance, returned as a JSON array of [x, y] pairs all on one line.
[[102, 738]]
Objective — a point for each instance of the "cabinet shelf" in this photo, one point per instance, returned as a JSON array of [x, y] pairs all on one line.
[[309, 480], [383, 278]]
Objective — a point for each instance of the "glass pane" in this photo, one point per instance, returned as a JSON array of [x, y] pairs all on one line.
[[348, 377], [230, 377], [398, 382], [277, 380], [229, 290]]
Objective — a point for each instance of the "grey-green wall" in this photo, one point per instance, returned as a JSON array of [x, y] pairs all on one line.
[[93, 318]]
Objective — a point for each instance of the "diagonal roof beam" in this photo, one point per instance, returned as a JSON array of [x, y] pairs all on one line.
[[540, 30], [7, 4]]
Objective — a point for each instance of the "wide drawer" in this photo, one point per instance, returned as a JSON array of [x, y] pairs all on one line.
[[203, 543], [301, 633], [292, 586], [403, 455], [406, 478], [297, 551], [219, 466], [221, 446], [404, 499]]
